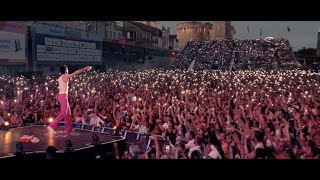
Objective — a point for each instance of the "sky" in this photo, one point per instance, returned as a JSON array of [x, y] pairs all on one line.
[[302, 33]]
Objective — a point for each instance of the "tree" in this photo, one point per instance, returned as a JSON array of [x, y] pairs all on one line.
[[308, 55], [306, 52]]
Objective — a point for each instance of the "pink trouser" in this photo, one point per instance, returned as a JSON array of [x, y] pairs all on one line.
[[65, 114]]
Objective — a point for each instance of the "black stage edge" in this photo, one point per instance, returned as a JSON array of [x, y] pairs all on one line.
[[81, 139]]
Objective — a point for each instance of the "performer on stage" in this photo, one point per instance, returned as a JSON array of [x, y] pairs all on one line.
[[65, 112]]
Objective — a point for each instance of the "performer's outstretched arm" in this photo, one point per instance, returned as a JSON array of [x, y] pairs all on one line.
[[68, 76]]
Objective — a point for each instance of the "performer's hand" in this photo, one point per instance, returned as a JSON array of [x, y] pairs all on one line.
[[88, 68]]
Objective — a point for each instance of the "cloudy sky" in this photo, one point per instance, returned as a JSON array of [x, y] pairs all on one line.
[[302, 33]]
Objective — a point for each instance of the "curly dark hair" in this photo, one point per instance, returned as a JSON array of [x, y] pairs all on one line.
[[63, 69]]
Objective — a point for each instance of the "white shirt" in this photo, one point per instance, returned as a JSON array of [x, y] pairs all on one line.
[[143, 129], [214, 153], [95, 120], [78, 119], [190, 144], [259, 145], [63, 86], [136, 127]]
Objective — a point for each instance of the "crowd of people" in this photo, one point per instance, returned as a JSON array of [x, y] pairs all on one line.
[[260, 53], [208, 114]]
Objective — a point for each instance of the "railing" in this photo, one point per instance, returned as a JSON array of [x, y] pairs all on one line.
[[130, 136]]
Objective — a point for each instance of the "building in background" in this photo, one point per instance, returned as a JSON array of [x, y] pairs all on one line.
[[141, 34], [102, 44], [222, 30], [197, 31], [97, 27], [55, 45], [155, 24], [147, 33], [206, 32], [173, 42], [113, 31], [164, 39], [191, 31]]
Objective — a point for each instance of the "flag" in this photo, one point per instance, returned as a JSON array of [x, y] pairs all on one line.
[[260, 32], [248, 29], [288, 29]]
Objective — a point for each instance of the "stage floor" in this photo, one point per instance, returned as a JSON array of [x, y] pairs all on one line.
[[80, 139]]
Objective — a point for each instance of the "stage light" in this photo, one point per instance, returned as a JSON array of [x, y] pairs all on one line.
[[50, 119], [6, 123], [95, 140], [19, 149], [69, 147]]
